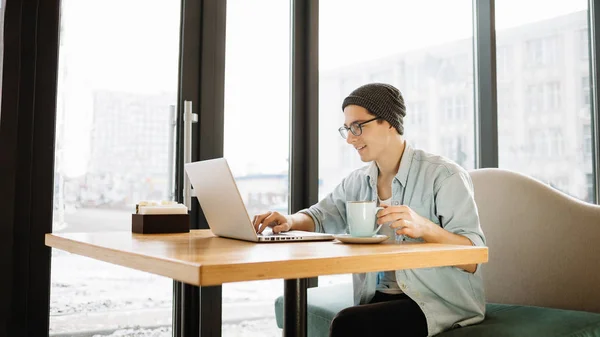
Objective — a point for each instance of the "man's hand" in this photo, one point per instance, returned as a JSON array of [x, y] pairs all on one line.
[[278, 221], [408, 222], [405, 221]]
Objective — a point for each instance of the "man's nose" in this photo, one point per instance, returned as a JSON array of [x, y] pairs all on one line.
[[350, 138]]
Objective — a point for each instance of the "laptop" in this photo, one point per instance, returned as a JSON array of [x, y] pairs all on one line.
[[224, 208]]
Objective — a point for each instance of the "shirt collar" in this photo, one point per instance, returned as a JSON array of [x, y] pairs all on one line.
[[405, 163]]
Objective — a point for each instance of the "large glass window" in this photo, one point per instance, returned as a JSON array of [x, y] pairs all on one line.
[[257, 117], [401, 43], [116, 83], [430, 66], [546, 131]]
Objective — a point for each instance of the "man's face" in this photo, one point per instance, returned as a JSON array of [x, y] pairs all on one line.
[[375, 137]]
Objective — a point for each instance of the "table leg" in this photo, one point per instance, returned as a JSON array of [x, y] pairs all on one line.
[[201, 311], [177, 286], [211, 311], [189, 324], [294, 307]]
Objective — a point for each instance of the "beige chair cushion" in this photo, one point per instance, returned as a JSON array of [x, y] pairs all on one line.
[[544, 246]]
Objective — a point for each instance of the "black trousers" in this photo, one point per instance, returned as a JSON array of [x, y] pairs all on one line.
[[385, 315]]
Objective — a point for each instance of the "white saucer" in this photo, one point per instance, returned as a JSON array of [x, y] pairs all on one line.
[[347, 238]]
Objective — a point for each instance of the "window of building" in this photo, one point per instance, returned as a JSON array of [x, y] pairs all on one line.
[[552, 95], [587, 142], [557, 143], [455, 108], [589, 184], [413, 77], [454, 147], [583, 44], [503, 61], [585, 91], [560, 183], [539, 143], [544, 97], [416, 113], [534, 94], [542, 51]]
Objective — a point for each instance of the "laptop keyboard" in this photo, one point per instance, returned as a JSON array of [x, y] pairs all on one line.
[[291, 235]]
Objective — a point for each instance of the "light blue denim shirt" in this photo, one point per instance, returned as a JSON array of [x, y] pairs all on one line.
[[441, 191]]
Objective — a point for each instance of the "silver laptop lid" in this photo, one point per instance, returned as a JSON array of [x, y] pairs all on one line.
[[220, 199]]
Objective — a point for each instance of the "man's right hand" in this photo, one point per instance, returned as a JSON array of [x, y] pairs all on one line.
[[276, 220]]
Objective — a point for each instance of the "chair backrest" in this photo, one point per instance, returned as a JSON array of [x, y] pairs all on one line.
[[544, 246]]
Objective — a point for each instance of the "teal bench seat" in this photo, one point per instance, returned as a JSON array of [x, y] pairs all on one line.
[[501, 320]]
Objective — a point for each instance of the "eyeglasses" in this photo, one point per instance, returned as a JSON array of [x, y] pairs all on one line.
[[355, 128]]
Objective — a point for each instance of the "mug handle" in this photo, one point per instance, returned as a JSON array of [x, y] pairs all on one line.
[[377, 209]]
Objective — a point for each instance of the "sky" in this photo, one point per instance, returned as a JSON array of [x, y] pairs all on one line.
[[132, 45]]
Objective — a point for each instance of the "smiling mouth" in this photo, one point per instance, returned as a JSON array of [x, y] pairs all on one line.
[[360, 147]]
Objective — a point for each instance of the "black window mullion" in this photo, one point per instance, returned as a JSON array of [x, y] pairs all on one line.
[[304, 96], [594, 57], [486, 113], [189, 55], [201, 81]]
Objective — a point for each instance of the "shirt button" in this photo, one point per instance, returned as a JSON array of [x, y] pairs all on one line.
[[403, 286]]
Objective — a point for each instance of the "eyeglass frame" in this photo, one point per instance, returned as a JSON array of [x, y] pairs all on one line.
[[359, 125]]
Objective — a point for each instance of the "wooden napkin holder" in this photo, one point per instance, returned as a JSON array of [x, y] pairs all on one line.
[[160, 223]]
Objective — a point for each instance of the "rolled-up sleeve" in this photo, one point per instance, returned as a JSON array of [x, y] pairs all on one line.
[[329, 214], [456, 207]]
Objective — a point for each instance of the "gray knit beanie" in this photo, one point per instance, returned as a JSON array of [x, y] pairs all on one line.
[[381, 100]]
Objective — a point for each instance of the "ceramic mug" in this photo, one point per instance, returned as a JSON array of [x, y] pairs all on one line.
[[362, 217]]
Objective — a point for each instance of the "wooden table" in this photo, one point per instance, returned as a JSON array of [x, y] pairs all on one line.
[[200, 259]]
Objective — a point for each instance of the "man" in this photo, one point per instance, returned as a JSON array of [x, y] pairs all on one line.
[[426, 198]]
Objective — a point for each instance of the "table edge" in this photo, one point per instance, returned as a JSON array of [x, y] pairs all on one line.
[[219, 274], [187, 272]]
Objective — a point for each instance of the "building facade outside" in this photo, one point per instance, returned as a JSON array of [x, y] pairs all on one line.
[[544, 123]]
